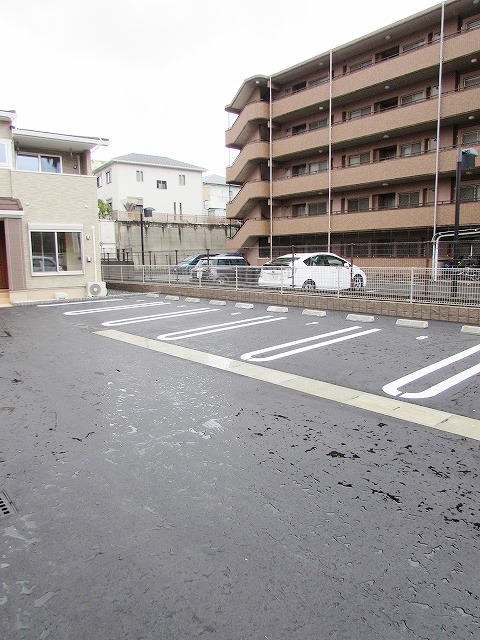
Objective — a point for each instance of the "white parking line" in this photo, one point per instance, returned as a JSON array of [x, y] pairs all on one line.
[[119, 308], [398, 409], [156, 316], [214, 328], [392, 388], [252, 355]]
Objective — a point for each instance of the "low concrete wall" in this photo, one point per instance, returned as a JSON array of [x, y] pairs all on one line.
[[448, 313]]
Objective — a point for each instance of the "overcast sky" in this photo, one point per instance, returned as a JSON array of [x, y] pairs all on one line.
[[154, 76]]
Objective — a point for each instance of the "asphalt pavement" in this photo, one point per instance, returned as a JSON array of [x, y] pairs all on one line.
[[174, 469]]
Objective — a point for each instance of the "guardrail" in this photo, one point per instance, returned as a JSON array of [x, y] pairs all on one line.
[[396, 284]]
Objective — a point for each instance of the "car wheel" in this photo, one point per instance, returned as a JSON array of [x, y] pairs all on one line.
[[308, 285], [358, 282]]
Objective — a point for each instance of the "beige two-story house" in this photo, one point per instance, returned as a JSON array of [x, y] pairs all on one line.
[[49, 238]]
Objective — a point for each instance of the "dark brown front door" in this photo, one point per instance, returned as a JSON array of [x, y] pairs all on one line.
[[3, 259]]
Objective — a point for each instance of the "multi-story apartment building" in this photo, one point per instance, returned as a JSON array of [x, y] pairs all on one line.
[[48, 215], [355, 150], [137, 180]]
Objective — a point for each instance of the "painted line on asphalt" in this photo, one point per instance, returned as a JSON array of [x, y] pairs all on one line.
[[411, 413], [118, 308], [393, 388], [252, 355], [214, 328], [156, 316], [64, 304]]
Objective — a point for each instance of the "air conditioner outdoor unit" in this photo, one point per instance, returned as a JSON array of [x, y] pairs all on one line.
[[96, 289]]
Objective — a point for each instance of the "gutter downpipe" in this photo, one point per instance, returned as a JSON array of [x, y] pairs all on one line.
[[329, 205], [437, 153], [270, 166]]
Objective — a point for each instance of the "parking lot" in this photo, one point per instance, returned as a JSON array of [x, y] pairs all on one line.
[[185, 468]]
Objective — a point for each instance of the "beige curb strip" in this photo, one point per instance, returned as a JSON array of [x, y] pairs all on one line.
[[416, 414]]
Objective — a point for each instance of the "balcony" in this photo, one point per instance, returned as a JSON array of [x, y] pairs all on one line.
[[252, 152], [247, 197], [251, 229], [299, 101], [244, 126], [301, 144]]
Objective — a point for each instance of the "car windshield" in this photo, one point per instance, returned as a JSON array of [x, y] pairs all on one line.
[[280, 262]]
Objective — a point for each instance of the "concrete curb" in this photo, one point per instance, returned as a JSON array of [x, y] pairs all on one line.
[[314, 312], [244, 305], [168, 297], [355, 317], [470, 329], [415, 324], [219, 303], [276, 309], [192, 299]]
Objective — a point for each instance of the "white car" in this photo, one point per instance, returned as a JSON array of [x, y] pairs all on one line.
[[311, 271]]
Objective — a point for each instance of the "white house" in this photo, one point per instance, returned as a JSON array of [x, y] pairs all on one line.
[[216, 194], [136, 180]]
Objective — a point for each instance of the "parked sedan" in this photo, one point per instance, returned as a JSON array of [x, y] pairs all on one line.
[[184, 267], [311, 271], [225, 268]]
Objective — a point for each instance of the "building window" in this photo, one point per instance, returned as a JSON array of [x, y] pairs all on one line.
[[139, 176], [361, 65], [299, 128], [430, 144], [56, 251], [471, 137], [473, 24], [470, 193], [359, 158], [108, 177], [432, 92], [409, 199], [316, 167], [317, 208], [386, 201], [384, 105], [413, 45], [412, 149], [182, 179], [299, 170], [42, 163], [358, 204], [360, 113], [386, 54], [161, 184], [300, 86], [412, 97], [99, 181], [299, 210], [317, 81], [386, 153], [318, 124], [473, 81]]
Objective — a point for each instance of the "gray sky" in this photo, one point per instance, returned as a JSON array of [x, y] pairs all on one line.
[[154, 76]]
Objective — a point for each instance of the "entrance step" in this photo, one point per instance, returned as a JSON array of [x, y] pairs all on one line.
[[4, 298]]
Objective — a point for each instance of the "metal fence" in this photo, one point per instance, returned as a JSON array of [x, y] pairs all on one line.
[[399, 284]]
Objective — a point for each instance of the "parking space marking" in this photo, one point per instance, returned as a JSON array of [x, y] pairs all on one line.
[[393, 388], [156, 316], [214, 328], [118, 308], [411, 413], [252, 356], [64, 304]]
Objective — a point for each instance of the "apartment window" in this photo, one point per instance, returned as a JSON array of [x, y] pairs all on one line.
[[108, 177], [161, 184], [299, 169], [37, 162], [428, 196], [386, 54], [99, 181], [139, 176], [299, 210], [411, 149], [318, 124], [386, 201], [300, 86], [471, 137], [299, 128], [359, 158], [357, 204], [470, 193], [56, 251], [430, 144], [317, 208], [181, 179], [473, 24], [473, 81], [413, 45], [409, 199], [432, 92], [361, 65], [359, 113], [317, 81], [316, 167], [412, 97], [386, 153], [384, 105]]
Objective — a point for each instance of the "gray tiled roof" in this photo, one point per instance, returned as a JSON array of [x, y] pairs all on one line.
[[158, 161], [214, 178]]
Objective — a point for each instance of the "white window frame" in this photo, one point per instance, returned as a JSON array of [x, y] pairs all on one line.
[[108, 177], [7, 146], [416, 44], [363, 158], [474, 137], [361, 112], [99, 181], [182, 179], [471, 81], [64, 228], [39, 156], [412, 98], [404, 153], [139, 175], [160, 184]]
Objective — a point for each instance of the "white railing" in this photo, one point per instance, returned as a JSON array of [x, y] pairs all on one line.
[[399, 284]]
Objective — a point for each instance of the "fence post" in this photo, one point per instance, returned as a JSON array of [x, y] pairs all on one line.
[[236, 278], [412, 280], [143, 273]]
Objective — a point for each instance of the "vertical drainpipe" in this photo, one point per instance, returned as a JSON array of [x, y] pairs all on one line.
[[270, 164], [439, 99], [329, 203]]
